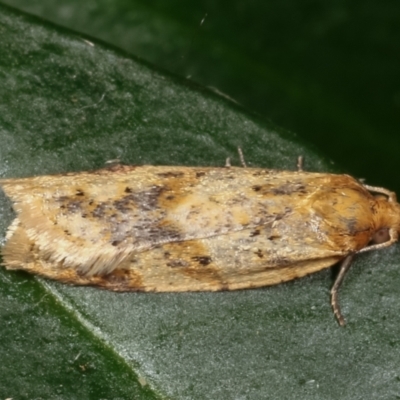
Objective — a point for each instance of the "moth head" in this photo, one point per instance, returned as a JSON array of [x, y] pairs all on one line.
[[387, 218]]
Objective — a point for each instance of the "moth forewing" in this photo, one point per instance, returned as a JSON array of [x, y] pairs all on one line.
[[163, 229]]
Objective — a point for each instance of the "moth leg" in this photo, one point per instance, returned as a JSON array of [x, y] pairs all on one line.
[[242, 158], [391, 195], [393, 235], [344, 267], [300, 163]]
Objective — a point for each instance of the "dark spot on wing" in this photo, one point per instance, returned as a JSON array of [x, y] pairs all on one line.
[[282, 215], [289, 188], [205, 274], [99, 211], [145, 200], [352, 225], [71, 204], [202, 260], [74, 206], [286, 189], [170, 174], [273, 237], [177, 263], [63, 199], [259, 253], [162, 234]]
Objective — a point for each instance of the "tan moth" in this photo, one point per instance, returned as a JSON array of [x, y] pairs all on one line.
[[173, 229]]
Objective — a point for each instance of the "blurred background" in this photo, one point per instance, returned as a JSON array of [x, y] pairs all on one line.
[[328, 71]]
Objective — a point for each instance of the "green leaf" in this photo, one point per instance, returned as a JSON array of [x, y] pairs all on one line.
[[69, 103], [326, 70]]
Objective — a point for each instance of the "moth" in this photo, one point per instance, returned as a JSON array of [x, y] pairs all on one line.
[[173, 229]]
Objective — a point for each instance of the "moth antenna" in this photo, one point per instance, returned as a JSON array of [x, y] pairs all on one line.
[[391, 195]]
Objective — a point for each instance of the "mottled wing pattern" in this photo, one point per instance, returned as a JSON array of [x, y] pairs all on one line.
[[182, 228]]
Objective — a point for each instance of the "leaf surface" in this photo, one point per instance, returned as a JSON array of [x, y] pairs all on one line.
[[69, 103]]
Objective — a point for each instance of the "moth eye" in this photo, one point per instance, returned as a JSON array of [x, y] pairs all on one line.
[[380, 236]]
